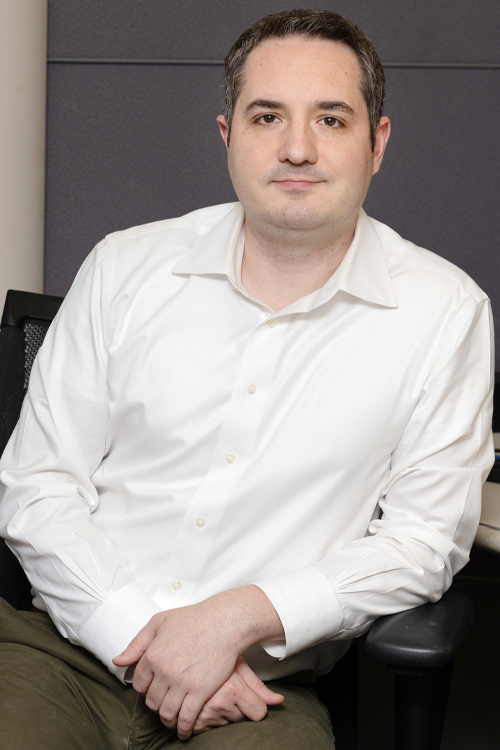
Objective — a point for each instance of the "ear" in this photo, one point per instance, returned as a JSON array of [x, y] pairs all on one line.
[[224, 131], [381, 137]]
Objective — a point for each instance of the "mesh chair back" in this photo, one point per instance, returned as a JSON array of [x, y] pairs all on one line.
[[34, 334], [25, 321]]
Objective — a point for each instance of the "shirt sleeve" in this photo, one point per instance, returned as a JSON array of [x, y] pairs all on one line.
[[47, 496], [429, 507]]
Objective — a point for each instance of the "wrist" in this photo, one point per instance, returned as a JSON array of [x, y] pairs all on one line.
[[248, 616]]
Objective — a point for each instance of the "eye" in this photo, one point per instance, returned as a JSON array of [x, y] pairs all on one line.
[[331, 122], [267, 119]]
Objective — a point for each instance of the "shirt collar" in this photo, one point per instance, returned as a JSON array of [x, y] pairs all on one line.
[[213, 252], [363, 272], [364, 269]]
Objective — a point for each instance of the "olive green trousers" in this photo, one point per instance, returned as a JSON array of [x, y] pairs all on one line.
[[56, 696]]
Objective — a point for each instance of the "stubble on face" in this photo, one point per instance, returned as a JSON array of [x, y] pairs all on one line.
[[268, 161]]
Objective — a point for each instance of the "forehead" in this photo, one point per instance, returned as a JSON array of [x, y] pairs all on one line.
[[299, 64]]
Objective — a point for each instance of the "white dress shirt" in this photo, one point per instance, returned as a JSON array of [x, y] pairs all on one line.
[[179, 438]]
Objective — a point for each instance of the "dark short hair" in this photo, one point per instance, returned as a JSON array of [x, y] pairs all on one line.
[[310, 23]]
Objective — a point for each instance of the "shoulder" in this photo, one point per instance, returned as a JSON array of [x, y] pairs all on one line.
[[134, 266], [166, 239], [415, 270]]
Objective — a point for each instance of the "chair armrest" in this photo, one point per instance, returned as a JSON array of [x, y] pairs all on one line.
[[426, 637]]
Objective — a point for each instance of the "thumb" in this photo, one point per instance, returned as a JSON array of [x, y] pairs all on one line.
[[137, 646], [269, 697]]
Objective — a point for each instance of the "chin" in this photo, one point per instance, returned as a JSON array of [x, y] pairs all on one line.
[[298, 218]]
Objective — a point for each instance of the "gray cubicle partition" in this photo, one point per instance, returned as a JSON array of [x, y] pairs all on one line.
[[134, 89]]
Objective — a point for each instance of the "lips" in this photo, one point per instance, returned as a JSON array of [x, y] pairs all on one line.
[[294, 182]]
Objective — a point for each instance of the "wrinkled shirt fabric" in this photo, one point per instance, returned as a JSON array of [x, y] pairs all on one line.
[[180, 438]]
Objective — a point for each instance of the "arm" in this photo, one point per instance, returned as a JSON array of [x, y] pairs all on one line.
[[430, 505], [47, 494]]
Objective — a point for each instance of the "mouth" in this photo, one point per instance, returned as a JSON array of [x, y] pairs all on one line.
[[297, 183]]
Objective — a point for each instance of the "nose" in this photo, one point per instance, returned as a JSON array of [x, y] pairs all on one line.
[[298, 145]]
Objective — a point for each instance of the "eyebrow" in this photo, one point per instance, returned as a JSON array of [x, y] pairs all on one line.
[[262, 104], [335, 106], [329, 106]]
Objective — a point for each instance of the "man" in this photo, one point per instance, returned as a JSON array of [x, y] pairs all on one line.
[[250, 431]]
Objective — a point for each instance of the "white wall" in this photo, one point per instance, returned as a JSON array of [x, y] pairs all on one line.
[[23, 73]]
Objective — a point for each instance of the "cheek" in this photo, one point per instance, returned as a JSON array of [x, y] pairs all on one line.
[[244, 165], [357, 168]]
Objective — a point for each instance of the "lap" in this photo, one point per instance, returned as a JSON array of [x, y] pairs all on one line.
[[300, 723], [39, 706], [56, 695]]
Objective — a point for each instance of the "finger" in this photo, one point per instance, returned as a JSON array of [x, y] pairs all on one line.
[[143, 677], [223, 702], [248, 701], [137, 645], [155, 695], [191, 707], [232, 713], [203, 726], [152, 674], [210, 715], [255, 683], [170, 708]]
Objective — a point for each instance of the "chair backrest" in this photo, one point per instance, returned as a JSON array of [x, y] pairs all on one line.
[[25, 321]]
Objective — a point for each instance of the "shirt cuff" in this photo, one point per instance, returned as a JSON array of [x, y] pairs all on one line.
[[115, 622], [307, 607]]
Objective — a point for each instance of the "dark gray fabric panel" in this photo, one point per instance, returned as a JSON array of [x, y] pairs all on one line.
[[439, 184], [133, 144], [127, 145], [427, 30]]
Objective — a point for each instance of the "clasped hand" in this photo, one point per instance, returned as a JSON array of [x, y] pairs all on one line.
[[190, 670]]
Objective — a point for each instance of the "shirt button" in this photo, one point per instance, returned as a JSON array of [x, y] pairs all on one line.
[[272, 323], [251, 388], [176, 585], [200, 522], [230, 458]]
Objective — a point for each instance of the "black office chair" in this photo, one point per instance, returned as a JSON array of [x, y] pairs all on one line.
[[25, 321], [419, 645]]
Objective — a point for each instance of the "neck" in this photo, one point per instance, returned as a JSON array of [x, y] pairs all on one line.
[[280, 272]]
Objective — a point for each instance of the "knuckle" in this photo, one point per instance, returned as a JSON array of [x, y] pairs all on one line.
[[197, 687], [217, 704], [170, 723], [148, 659], [166, 715], [184, 719], [163, 671], [201, 718], [260, 713], [139, 686]]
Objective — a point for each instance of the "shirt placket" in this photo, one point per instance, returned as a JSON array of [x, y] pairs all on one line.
[[232, 456]]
